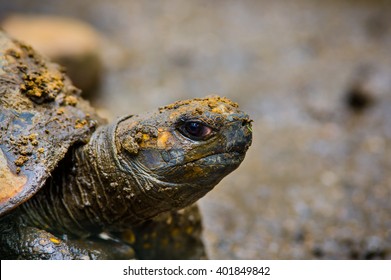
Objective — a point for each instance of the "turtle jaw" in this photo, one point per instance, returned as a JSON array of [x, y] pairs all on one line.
[[208, 171], [184, 184], [223, 160]]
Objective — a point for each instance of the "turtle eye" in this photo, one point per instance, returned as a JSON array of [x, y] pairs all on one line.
[[196, 130]]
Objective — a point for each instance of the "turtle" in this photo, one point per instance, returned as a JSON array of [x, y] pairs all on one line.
[[75, 186]]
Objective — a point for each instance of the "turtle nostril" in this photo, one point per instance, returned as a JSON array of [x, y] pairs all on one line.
[[247, 123]]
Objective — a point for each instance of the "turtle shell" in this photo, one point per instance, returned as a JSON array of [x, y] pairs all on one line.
[[41, 117]]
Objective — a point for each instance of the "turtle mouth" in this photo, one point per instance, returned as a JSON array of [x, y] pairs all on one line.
[[218, 159]]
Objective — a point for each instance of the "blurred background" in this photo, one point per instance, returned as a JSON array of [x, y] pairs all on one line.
[[314, 75]]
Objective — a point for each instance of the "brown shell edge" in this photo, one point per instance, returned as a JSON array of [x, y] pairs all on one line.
[[41, 117]]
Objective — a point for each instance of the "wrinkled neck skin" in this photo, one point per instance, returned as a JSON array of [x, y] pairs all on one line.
[[97, 188]]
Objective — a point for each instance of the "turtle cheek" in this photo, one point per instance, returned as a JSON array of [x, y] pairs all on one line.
[[211, 169], [160, 161], [151, 158], [202, 177]]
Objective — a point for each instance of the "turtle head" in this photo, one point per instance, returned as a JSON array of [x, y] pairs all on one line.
[[187, 147]]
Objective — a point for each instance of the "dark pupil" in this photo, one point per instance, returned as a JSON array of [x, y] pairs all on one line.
[[195, 129]]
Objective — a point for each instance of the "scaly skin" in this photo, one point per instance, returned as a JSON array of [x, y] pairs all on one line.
[[127, 174]]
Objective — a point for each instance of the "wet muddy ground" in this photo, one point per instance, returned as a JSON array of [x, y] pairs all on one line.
[[315, 77]]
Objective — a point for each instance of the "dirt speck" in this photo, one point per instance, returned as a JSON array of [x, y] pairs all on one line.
[[70, 100], [80, 123], [21, 160]]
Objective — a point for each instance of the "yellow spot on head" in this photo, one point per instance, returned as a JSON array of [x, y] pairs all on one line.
[[163, 139], [221, 109], [70, 100], [146, 137], [80, 123]]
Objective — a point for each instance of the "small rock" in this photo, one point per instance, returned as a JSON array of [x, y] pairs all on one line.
[[71, 43], [358, 98]]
